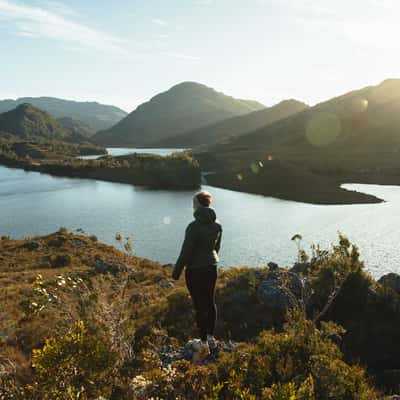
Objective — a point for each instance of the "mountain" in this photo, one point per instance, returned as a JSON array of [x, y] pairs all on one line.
[[28, 122], [365, 121], [76, 127], [235, 126], [351, 138], [184, 107], [96, 116]]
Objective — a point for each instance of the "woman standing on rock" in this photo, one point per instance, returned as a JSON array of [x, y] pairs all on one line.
[[199, 255]]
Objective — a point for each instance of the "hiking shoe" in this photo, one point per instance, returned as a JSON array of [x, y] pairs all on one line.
[[201, 351], [212, 342]]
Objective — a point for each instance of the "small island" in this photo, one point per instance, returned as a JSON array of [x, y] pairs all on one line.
[[177, 171]]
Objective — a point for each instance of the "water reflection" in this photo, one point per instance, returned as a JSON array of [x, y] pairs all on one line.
[[257, 229]]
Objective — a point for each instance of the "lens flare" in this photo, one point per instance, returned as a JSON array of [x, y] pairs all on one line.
[[358, 105], [255, 168], [323, 129]]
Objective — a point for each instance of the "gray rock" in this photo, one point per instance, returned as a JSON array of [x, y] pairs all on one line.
[[31, 245], [166, 285], [288, 279], [276, 296], [391, 281], [104, 267], [281, 290], [169, 353]]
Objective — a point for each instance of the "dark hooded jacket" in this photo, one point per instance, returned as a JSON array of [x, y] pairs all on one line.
[[202, 242]]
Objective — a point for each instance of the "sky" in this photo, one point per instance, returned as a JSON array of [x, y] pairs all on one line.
[[124, 52]]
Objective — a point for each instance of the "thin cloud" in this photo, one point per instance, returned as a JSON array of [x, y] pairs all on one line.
[[159, 22], [38, 22], [57, 7], [181, 56]]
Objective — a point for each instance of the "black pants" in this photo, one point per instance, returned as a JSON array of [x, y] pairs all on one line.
[[201, 284]]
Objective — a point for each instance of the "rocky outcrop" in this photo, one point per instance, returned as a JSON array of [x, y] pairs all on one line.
[[169, 354], [281, 290], [31, 245], [113, 267]]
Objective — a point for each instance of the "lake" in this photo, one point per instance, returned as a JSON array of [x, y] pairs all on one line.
[[257, 229], [120, 151]]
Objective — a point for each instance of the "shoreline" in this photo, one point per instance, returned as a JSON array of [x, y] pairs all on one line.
[[126, 174], [342, 195]]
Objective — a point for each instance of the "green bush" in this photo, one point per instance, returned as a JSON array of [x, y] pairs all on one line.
[[77, 365], [300, 353]]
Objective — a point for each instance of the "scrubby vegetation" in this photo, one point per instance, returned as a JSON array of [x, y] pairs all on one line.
[[80, 319], [176, 171], [12, 149]]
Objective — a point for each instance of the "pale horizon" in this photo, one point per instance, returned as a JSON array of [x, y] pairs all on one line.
[[124, 53]]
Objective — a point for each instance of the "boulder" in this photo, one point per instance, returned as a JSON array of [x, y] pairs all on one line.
[[170, 353], [391, 281], [112, 267], [281, 290], [32, 245], [276, 296], [166, 285]]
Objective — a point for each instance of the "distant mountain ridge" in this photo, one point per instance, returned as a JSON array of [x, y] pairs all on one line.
[[235, 126], [76, 127], [184, 107], [365, 119], [28, 122], [354, 138], [96, 116]]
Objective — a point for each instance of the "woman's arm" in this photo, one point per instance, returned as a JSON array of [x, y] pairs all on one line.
[[218, 243], [186, 252]]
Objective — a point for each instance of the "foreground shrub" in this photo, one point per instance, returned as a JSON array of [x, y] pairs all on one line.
[[76, 365], [300, 354]]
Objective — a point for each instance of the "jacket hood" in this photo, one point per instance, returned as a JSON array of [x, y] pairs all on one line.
[[206, 215]]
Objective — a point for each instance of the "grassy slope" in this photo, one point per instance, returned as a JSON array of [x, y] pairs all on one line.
[[154, 309]]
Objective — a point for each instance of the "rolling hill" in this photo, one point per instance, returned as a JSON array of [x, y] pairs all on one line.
[[362, 120], [76, 127], [184, 107], [29, 123], [351, 138], [365, 121], [235, 126], [96, 116]]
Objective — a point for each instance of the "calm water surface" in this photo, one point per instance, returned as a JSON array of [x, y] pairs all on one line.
[[257, 229], [120, 151]]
